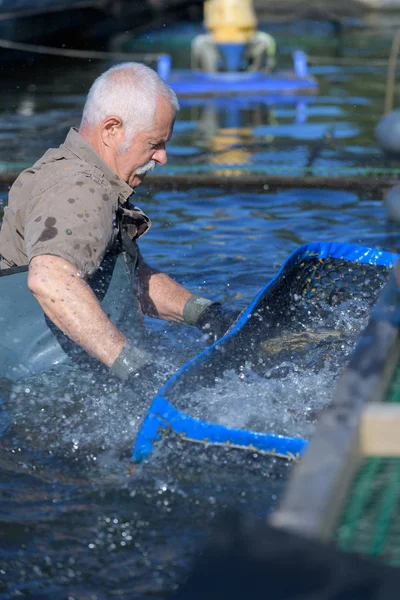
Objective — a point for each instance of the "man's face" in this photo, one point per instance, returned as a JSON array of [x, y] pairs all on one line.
[[147, 149]]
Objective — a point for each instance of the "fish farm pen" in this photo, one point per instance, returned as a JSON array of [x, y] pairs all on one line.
[[280, 200]]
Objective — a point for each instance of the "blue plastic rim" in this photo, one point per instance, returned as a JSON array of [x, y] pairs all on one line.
[[163, 416]]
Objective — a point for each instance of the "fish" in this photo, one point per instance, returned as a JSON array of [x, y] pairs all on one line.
[[300, 340]]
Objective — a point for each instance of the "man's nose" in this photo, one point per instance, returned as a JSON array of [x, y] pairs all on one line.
[[160, 156]]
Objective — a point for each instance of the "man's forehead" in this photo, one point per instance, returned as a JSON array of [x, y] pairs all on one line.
[[161, 132]]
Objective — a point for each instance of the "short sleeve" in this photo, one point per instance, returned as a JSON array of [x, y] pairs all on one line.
[[73, 219]]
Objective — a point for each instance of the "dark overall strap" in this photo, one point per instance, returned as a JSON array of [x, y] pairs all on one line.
[[132, 223], [127, 245]]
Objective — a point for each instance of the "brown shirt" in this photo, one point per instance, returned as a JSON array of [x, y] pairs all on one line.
[[65, 205]]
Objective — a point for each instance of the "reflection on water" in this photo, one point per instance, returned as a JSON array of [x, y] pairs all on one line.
[[77, 521]]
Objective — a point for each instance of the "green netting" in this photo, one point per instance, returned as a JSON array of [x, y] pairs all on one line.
[[370, 522], [394, 390]]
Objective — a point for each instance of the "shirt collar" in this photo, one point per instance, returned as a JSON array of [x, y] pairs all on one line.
[[77, 144]]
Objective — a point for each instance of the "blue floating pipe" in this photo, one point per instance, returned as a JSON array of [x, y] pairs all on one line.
[[162, 416], [229, 83], [164, 66], [232, 54], [300, 63]]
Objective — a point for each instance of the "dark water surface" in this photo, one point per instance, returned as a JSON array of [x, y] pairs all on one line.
[[76, 521]]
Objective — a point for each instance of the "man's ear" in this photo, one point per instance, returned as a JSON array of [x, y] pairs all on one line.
[[112, 131]]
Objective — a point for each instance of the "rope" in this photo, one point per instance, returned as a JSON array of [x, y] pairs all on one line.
[[299, 9], [250, 448], [391, 73], [154, 56], [85, 54], [31, 12]]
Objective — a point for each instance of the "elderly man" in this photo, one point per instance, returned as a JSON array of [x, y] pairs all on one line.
[[68, 213]]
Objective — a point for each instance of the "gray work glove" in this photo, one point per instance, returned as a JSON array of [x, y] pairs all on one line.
[[132, 363], [138, 370], [212, 318]]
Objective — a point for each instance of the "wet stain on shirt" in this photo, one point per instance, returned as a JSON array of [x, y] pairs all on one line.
[[50, 231]]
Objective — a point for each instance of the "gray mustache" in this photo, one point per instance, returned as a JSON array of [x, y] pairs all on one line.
[[147, 167]]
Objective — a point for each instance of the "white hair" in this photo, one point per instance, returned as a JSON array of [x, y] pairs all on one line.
[[130, 91]]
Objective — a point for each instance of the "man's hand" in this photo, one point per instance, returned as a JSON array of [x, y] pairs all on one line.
[[136, 368], [211, 318], [130, 362], [216, 320]]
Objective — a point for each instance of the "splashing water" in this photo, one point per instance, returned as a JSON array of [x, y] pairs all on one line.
[[284, 390]]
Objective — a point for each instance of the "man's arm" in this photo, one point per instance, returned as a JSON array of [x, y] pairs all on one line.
[[70, 304], [161, 296]]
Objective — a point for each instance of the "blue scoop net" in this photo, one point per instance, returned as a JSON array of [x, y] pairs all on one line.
[[313, 282]]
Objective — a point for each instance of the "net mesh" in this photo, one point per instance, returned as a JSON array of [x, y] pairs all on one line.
[[370, 521]]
